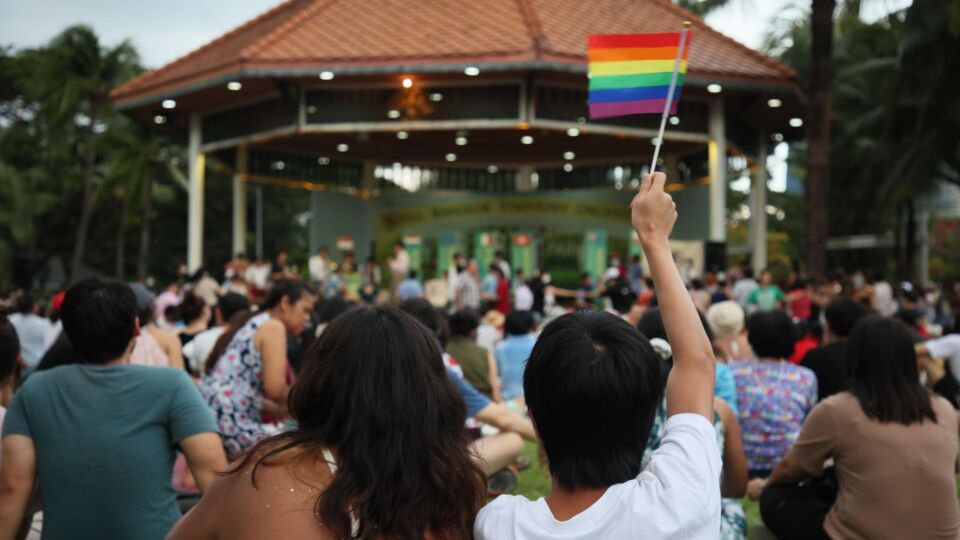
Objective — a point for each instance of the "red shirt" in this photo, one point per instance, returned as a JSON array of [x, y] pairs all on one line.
[[503, 296]]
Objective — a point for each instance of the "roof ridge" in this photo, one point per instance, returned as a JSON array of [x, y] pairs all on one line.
[[153, 74], [532, 22], [702, 24], [298, 19]]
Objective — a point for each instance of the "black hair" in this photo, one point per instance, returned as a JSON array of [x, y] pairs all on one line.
[[592, 385], [496, 268], [171, 313], [99, 316], [375, 382], [26, 303], [464, 322], [518, 323], [696, 284], [191, 307], [771, 334], [882, 372], [9, 348], [332, 308], [651, 325], [234, 324], [412, 274], [429, 316], [842, 314], [748, 272], [293, 289], [232, 303]]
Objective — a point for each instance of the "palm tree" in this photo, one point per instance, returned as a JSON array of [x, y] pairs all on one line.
[[77, 75], [818, 126]]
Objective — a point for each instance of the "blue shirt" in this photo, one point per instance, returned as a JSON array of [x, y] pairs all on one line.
[[409, 288], [725, 386], [512, 354], [475, 400], [490, 285]]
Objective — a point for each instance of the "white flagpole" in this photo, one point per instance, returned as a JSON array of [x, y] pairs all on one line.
[[673, 86]]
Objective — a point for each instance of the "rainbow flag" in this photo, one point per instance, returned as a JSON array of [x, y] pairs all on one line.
[[630, 73]]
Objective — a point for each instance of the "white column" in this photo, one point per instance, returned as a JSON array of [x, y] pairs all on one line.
[[718, 172], [259, 222], [240, 201], [758, 207], [195, 204]]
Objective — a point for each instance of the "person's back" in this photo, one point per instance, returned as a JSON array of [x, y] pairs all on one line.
[[473, 359], [593, 384], [512, 353], [105, 439], [31, 330], [102, 434], [828, 364]]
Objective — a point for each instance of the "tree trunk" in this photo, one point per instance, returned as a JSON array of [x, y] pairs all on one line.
[[143, 258], [86, 212], [818, 138], [910, 240], [121, 256]]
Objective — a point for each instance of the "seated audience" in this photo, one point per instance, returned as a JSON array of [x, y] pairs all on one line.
[[727, 323], [592, 385], [774, 396], [374, 383], [893, 444], [828, 361], [195, 314], [478, 364], [32, 331], [512, 353], [253, 368], [100, 436], [155, 347], [196, 351]]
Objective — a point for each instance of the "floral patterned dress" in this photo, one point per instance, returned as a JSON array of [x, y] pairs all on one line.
[[234, 390], [733, 520]]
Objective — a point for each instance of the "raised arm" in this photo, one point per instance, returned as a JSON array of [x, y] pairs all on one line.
[[690, 385]]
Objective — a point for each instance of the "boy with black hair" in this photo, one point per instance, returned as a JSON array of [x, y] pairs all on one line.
[[592, 386], [101, 436]]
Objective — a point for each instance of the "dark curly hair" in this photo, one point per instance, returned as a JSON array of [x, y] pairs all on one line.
[[373, 388]]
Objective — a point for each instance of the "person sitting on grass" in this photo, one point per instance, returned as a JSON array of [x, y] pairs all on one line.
[[592, 386], [101, 436]]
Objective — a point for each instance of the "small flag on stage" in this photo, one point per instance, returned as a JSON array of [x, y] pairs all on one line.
[[632, 73]]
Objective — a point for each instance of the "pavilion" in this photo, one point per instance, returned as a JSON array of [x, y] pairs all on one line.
[[428, 119]]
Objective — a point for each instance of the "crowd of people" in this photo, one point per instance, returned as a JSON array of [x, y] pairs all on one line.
[[362, 402]]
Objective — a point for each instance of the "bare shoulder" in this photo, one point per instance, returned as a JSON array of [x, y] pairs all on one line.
[[164, 338]]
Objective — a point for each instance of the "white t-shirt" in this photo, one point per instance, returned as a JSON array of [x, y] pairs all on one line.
[[522, 298], [198, 349], [947, 347], [677, 495]]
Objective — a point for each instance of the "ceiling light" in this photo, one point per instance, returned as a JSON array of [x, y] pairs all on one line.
[[714, 88], [778, 137], [774, 103], [168, 104], [393, 113], [312, 109], [408, 82], [159, 119], [323, 160], [471, 71], [492, 169], [343, 147], [568, 155], [436, 96], [567, 167], [573, 132], [796, 122], [402, 135], [234, 85], [526, 139], [451, 157], [674, 120], [326, 75], [461, 141]]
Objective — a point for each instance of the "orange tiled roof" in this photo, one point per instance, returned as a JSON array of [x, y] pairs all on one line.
[[302, 35]]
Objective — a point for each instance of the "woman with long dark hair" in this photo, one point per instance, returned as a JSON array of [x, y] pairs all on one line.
[[253, 368], [379, 450], [894, 445]]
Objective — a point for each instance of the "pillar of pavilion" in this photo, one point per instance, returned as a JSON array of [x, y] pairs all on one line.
[[459, 97]]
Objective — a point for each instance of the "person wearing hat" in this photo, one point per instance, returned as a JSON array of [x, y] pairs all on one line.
[[726, 320]]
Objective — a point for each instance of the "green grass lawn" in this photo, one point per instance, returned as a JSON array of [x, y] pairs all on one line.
[[535, 483]]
